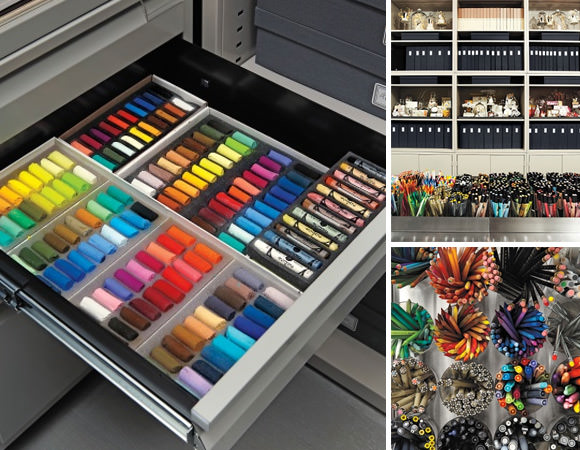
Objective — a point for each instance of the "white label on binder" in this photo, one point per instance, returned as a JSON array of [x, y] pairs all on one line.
[[380, 96]]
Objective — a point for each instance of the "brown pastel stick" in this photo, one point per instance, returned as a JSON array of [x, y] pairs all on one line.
[[240, 288], [205, 140], [199, 328], [55, 242], [192, 144], [166, 359], [176, 348], [190, 155], [193, 341], [161, 173], [134, 318], [67, 234], [231, 297]]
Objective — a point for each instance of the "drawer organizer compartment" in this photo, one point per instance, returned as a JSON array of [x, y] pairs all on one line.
[[169, 308], [323, 220], [134, 121]]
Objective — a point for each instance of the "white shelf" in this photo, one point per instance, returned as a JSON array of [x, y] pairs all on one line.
[[368, 120]]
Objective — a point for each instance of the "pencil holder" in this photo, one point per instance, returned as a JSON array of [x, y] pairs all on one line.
[[413, 432], [413, 385], [457, 274], [520, 433], [411, 330], [522, 386], [461, 332], [464, 433], [565, 433], [564, 383], [466, 389], [409, 265], [564, 328], [518, 332]]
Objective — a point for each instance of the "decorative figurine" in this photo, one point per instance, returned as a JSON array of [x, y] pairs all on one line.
[[573, 17], [441, 20], [419, 20]]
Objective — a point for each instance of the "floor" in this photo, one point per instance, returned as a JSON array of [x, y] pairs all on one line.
[[311, 413]]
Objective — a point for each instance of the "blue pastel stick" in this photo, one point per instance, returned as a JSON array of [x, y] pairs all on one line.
[[135, 219], [58, 278], [217, 358], [91, 252], [71, 271], [220, 308], [85, 264], [261, 207], [248, 327], [153, 98], [210, 373], [123, 227], [144, 104], [117, 289], [293, 250], [135, 109], [286, 196], [228, 347], [299, 178], [275, 202], [268, 307], [248, 225], [289, 186], [239, 338], [98, 241], [279, 158], [259, 317], [255, 216]]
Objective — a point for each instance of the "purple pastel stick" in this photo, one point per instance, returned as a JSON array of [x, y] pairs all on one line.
[[269, 164], [278, 157], [128, 280], [195, 381], [100, 135]]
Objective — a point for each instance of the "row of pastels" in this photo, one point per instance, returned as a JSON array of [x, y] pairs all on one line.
[[322, 221], [141, 290], [39, 191], [79, 241], [208, 342], [126, 130]]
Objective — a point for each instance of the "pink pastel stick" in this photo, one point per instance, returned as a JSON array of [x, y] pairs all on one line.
[[269, 164], [360, 185], [140, 272], [263, 172], [184, 268], [109, 301]]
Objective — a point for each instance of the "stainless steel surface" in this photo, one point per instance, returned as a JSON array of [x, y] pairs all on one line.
[[354, 366], [311, 413], [463, 229], [36, 371], [491, 358]]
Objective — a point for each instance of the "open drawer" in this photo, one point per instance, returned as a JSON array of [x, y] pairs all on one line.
[[216, 419]]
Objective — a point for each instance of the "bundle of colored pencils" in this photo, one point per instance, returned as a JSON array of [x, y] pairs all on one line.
[[520, 384], [412, 433], [564, 328], [461, 332], [457, 274], [520, 273], [413, 385], [566, 384], [518, 331], [411, 330], [408, 265]]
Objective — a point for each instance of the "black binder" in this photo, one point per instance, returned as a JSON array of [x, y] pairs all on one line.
[[488, 137], [463, 136], [412, 135], [506, 138], [430, 136], [497, 137], [517, 141], [447, 137], [403, 131], [421, 132], [395, 135]]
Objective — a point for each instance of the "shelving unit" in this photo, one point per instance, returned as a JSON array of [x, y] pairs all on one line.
[[524, 83]]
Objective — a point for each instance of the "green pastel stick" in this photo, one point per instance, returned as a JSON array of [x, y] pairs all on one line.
[[21, 219], [64, 189], [11, 227], [77, 183], [110, 203], [54, 197], [113, 155], [238, 147], [232, 242], [32, 259], [101, 212], [45, 250], [211, 132], [246, 140], [24, 264], [5, 238], [31, 210], [119, 195], [105, 162]]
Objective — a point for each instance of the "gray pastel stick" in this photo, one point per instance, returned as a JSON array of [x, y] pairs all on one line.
[[249, 279]]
